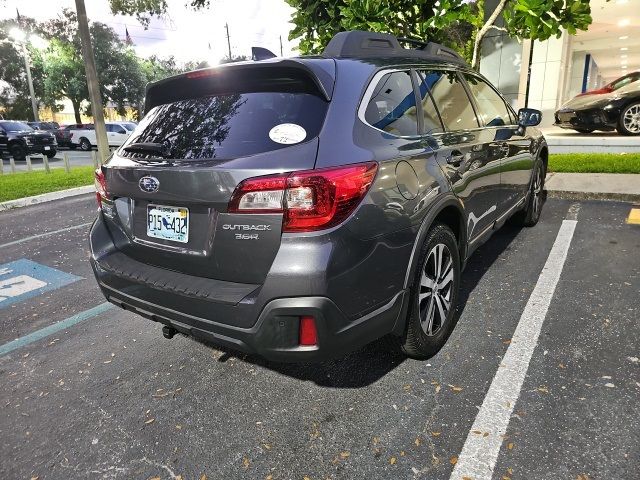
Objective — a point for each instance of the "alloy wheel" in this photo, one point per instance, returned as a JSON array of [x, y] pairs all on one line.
[[537, 191], [436, 289], [631, 119]]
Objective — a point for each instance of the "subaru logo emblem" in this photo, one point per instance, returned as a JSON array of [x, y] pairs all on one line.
[[149, 184]]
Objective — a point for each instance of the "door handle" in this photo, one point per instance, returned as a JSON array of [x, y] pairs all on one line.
[[455, 158]]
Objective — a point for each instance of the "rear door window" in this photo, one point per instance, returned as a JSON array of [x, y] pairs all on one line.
[[454, 105], [230, 125], [430, 117], [491, 107], [392, 105]]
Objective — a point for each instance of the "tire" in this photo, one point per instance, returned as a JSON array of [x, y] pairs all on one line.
[[584, 130], [429, 323], [531, 213], [18, 152], [85, 145], [629, 120], [51, 154]]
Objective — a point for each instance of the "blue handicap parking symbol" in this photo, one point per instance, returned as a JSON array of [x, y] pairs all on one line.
[[24, 279]]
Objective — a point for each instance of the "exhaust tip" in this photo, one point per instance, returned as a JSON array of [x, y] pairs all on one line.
[[168, 332]]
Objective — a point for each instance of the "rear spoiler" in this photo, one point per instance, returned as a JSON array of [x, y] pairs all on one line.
[[315, 76]]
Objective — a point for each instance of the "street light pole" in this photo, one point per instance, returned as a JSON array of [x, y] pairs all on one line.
[[92, 82], [226, 25], [27, 66]]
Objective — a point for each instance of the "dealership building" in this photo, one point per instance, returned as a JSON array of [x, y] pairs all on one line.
[[561, 68]]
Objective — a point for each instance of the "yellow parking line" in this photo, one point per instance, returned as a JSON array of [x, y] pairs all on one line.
[[634, 216]]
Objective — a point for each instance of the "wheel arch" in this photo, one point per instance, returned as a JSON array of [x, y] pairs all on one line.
[[543, 154], [449, 210]]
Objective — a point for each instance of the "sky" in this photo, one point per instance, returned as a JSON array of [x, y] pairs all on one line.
[[183, 32]]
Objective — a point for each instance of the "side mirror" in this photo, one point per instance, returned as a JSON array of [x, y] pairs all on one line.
[[529, 117]]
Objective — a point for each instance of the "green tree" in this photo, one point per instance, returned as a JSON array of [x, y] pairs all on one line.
[[145, 9], [460, 24], [155, 68], [14, 91], [317, 21], [128, 86], [234, 59], [535, 20], [64, 67]]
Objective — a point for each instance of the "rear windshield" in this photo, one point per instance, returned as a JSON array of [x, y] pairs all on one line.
[[229, 126]]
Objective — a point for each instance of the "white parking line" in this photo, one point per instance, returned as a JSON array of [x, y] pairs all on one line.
[[480, 453], [46, 234]]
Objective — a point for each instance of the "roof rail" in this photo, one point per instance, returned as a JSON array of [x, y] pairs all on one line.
[[358, 43]]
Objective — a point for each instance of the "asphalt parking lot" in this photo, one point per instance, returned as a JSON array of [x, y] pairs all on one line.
[[108, 397]]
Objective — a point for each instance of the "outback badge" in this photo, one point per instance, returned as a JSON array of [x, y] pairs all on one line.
[[149, 184]]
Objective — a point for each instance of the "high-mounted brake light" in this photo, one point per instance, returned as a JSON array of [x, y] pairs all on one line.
[[310, 200], [202, 73], [101, 186]]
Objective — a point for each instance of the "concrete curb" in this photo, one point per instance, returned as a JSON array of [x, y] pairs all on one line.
[[614, 197], [618, 187], [45, 197]]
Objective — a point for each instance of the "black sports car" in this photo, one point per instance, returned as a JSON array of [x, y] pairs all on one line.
[[613, 107]]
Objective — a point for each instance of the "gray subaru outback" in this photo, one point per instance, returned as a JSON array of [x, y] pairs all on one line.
[[301, 208]]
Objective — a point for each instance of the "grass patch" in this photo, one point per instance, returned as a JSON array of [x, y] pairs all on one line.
[[26, 184], [595, 162]]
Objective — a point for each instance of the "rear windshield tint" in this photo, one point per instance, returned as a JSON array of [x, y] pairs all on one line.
[[229, 126]]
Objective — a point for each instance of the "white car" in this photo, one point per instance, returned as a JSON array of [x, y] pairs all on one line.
[[117, 134]]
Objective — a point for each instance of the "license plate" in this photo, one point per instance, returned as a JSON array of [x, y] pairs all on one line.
[[566, 116], [168, 223], [47, 148]]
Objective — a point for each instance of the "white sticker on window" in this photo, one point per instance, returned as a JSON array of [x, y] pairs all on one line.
[[287, 133]]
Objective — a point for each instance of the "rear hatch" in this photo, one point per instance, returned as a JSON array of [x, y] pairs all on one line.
[[168, 187]]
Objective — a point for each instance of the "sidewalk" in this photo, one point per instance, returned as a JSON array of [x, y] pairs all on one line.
[[570, 141], [594, 186]]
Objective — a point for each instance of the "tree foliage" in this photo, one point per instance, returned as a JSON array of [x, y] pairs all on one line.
[[58, 71], [14, 92], [460, 24], [145, 9], [542, 19]]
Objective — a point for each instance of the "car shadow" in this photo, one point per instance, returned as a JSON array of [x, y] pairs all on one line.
[[372, 362]]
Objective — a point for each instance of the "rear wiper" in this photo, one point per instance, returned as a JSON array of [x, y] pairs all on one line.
[[148, 147]]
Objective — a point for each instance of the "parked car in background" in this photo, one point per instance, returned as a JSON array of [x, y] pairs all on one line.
[[301, 208], [4, 144], [613, 107], [615, 85], [47, 126], [23, 140], [65, 132], [63, 137], [117, 134]]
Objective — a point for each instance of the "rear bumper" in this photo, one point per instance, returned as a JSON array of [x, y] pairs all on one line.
[[233, 315]]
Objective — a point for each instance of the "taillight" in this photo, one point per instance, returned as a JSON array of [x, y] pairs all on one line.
[[101, 186], [310, 200]]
